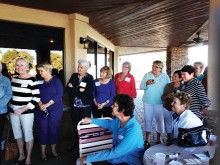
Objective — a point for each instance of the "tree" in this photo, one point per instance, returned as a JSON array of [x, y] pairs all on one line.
[[11, 55], [56, 60]]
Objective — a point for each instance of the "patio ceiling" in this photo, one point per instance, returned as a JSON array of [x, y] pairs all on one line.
[[136, 23]]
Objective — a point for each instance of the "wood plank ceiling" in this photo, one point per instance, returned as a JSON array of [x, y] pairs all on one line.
[[135, 23]]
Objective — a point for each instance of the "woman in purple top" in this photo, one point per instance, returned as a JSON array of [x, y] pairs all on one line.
[[103, 93], [51, 109]]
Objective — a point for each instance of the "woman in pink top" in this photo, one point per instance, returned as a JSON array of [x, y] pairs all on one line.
[[124, 81]]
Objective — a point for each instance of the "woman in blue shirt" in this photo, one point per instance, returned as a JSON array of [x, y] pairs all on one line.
[[128, 143], [51, 109], [103, 93], [153, 84], [5, 96]]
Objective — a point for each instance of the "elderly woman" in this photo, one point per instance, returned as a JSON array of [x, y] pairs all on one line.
[[80, 88], [128, 143], [103, 93], [125, 82], [25, 96], [153, 84], [167, 97], [5, 96], [199, 66], [185, 119], [192, 86], [51, 109]]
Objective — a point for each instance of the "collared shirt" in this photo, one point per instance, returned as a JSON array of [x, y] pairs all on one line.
[[126, 86], [5, 93], [128, 143], [187, 119], [153, 92], [199, 98]]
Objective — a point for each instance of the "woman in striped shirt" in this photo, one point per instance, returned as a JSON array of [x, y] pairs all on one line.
[[195, 89], [25, 96]]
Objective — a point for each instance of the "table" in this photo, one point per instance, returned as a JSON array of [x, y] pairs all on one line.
[[173, 149]]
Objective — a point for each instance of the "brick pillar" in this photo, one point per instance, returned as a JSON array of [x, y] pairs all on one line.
[[176, 59]]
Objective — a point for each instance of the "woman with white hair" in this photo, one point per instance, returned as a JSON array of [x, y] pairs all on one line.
[[25, 96], [125, 82], [5, 96], [80, 89]]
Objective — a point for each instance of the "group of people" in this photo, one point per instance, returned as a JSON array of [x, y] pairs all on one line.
[[184, 97], [29, 99]]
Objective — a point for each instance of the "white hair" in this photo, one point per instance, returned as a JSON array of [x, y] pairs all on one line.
[[23, 59], [85, 64], [0, 67]]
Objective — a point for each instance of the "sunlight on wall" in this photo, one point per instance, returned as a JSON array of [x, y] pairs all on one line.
[[199, 53], [142, 63]]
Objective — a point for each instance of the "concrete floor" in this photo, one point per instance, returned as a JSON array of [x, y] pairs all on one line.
[[65, 144]]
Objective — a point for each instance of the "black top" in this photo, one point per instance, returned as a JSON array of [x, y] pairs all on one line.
[[86, 96]]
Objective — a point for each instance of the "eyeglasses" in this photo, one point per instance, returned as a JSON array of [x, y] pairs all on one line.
[[155, 66], [125, 67]]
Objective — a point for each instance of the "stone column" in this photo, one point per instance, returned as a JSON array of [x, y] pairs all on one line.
[[176, 59], [213, 64]]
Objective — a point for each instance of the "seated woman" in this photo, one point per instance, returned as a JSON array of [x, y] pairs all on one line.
[[186, 118], [128, 143]]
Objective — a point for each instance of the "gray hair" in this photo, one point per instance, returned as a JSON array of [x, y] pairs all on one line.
[[25, 61], [201, 65], [127, 63], [0, 67], [85, 64]]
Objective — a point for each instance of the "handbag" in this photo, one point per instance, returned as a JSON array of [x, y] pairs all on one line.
[[197, 136], [11, 149]]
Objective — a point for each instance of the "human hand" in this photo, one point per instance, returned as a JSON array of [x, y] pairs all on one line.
[[70, 85], [170, 95], [83, 159], [150, 82], [81, 89], [43, 107], [19, 111], [87, 120], [100, 106]]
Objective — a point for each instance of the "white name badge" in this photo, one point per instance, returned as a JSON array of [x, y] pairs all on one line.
[[40, 82], [97, 83], [120, 137], [23, 85], [127, 79], [82, 84]]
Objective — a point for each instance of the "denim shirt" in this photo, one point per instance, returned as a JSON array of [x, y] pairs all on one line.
[[5, 93]]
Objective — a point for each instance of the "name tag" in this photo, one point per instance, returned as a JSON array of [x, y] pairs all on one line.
[[40, 82], [97, 83], [23, 85], [120, 137], [82, 84], [127, 79]]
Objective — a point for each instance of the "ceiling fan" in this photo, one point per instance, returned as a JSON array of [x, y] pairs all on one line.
[[196, 41]]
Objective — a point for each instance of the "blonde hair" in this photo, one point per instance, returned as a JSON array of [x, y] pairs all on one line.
[[45, 66], [158, 62], [184, 98], [108, 71]]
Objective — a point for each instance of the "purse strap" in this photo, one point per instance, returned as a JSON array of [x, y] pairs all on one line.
[[9, 128]]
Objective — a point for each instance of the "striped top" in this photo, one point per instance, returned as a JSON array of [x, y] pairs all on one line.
[[25, 92], [199, 98]]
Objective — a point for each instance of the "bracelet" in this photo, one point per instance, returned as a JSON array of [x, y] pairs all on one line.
[[50, 102], [106, 102]]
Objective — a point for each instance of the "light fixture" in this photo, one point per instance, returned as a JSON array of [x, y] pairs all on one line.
[[85, 42], [51, 40]]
